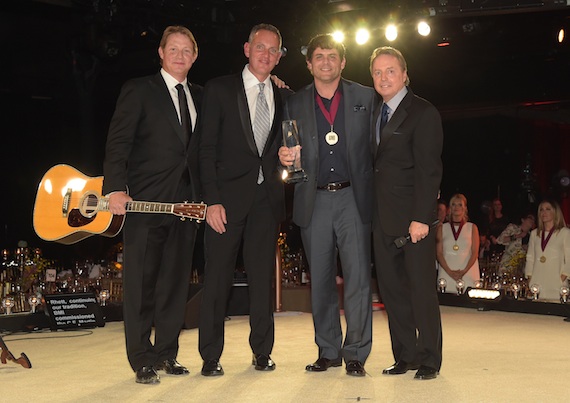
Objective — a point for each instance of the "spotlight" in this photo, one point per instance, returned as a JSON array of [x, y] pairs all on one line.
[[391, 32], [338, 36], [561, 35], [362, 36], [423, 28]]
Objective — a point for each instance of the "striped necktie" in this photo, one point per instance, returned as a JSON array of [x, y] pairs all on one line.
[[261, 125]]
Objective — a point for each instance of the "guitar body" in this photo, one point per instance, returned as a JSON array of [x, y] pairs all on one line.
[[57, 214]]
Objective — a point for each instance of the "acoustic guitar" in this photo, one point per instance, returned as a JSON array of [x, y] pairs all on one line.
[[69, 207]]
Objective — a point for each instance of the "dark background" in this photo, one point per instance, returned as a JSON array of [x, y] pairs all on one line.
[[501, 85]]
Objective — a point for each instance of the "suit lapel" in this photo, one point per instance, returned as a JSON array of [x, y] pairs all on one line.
[[400, 114], [244, 115], [164, 100]]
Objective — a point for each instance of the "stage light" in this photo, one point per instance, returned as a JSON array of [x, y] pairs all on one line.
[[34, 301], [535, 289], [8, 303], [561, 35], [564, 291], [338, 36], [460, 285], [104, 296], [391, 32], [362, 36], [442, 283], [516, 289], [423, 28], [488, 295]]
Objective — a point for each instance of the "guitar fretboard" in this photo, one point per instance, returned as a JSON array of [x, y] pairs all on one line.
[[149, 207]]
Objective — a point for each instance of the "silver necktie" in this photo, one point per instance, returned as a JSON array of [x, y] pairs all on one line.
[[261, 124]]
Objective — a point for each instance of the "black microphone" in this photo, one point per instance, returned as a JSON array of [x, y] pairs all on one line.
[[401, 241]]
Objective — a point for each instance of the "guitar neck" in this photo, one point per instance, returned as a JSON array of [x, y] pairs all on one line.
[[141, 206]]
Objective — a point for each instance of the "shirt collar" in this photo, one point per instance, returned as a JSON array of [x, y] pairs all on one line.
[[170, 81], [249, 80], [395, 101]]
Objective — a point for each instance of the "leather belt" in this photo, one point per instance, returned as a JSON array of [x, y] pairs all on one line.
[[334, 186]]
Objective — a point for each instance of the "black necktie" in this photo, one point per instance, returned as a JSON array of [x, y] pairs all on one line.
[[185, 118], [383, 121]]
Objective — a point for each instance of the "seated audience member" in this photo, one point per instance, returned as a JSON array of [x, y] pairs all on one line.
[[548, 256], [515, 239], [457, 244]]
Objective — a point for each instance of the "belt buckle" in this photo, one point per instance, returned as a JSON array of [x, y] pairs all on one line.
[[333, 187]]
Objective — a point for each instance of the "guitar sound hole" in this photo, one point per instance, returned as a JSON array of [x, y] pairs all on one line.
[[89, 205]]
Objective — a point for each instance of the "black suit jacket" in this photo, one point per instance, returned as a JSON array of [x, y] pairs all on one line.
[[407, 165], [229, 160], [145, 153]]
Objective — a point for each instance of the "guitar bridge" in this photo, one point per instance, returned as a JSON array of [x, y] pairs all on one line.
[[66, 201]]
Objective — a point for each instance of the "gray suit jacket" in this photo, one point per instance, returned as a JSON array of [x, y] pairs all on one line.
[[358, 106]]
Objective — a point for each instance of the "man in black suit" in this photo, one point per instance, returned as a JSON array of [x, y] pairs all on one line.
[[240, 135], [151, 157], [334, 207], [407, 138]]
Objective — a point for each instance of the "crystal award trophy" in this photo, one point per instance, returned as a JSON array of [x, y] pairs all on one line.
[[294, 172]]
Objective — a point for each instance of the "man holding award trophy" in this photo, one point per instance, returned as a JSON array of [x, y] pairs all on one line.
[[333, 200]]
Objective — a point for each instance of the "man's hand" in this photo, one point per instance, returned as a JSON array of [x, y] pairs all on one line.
[[418, 231], [118, 201], [287, 155], [278, 82], [216, 218]]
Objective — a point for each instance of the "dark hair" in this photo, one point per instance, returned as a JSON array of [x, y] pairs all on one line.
[[324, 41]]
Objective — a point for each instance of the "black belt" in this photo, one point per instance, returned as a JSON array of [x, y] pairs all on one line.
[[334, 186]]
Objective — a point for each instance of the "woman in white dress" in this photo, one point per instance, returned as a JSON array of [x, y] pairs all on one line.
[[548, 256], [457, 243]]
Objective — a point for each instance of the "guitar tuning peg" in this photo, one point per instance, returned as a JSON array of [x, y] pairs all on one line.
[[182, 218]]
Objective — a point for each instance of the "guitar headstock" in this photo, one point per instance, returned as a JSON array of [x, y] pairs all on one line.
[[192, 211]]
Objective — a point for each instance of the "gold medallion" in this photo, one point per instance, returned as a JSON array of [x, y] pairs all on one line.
[[331, 138], [542, 259], [455, 247]]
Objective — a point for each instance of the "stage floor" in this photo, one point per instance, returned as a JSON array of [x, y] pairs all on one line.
[[489, 356]]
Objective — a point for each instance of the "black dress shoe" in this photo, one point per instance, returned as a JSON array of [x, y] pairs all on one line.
[[401, 367], [355, 368], [172, 367], [322, 364], [147, 375], [426, 373], [212, 368], [263, 362]]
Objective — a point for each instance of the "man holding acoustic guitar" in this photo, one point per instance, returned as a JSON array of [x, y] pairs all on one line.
[[151, 155]]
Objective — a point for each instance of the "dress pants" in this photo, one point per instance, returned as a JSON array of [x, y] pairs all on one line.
[[407, 284], [336, 225], [259, 232], [156, 277]]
